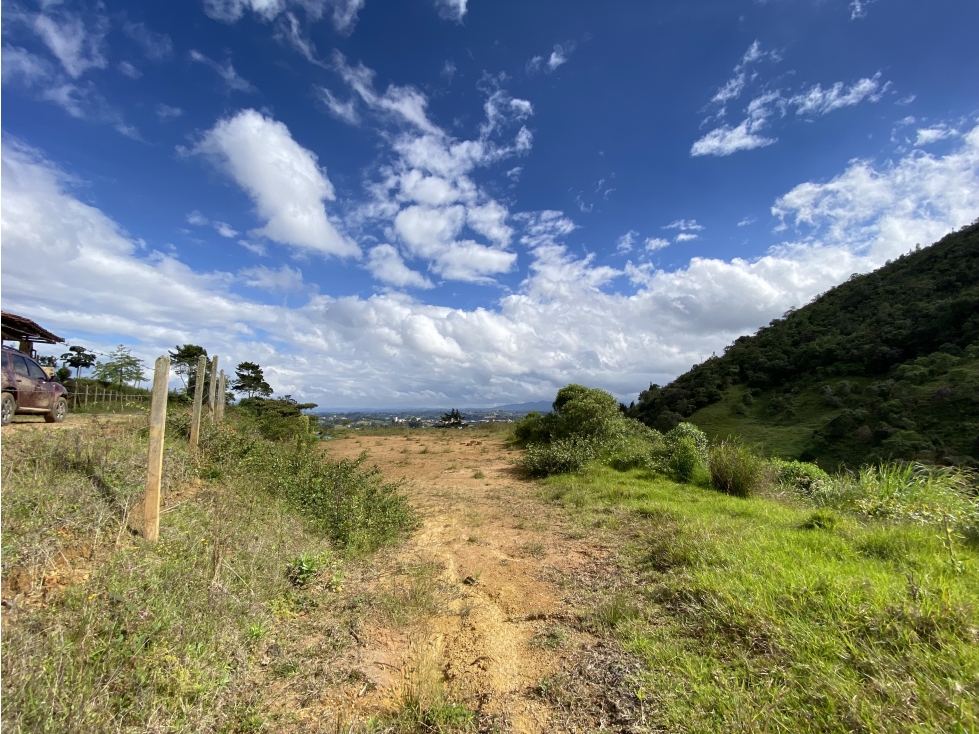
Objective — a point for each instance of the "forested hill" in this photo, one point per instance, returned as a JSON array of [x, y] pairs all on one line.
[[885, 365]]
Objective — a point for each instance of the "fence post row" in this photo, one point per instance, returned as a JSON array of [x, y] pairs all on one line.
[[195, 422], [154, 467], [212, 385]]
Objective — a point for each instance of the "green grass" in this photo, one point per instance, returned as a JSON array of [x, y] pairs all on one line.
[[161, 636], [784, 437], [758, 615]]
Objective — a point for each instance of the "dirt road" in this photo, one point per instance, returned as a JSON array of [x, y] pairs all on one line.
[[481, 607]]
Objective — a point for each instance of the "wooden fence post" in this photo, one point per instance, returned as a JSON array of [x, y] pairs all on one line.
[[154, 466], [195, 420], [212, 385], [219, 400], [86, 396]]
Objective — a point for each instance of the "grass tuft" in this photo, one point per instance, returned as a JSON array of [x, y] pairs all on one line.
[[737, 470]]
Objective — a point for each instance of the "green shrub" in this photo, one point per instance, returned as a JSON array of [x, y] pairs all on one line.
[[737, 470], [562, 456], [800, 477], [638, 447], [305, 567], [278, 419], [587, 413], [586, 423], [684, 452], [346, 501], [820, 520], [687, 430], [532, 428], [685, 460]]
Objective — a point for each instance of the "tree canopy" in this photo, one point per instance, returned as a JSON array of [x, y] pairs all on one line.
[[452, 419], [78, 357], [120, 368], [250, 380], [184, 360]]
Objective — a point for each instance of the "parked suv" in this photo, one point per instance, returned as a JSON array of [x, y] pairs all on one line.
[[27, 389]]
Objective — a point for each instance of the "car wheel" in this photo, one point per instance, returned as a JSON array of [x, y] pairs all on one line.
[[8, 409], [58, 413]]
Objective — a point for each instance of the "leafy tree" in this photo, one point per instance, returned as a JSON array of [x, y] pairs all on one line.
[[121, 367], [184, 360], [78, 357], [251, 380], [452, 418], [586, 412], [48, 361]]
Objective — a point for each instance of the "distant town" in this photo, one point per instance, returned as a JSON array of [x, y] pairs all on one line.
[[419, 418]]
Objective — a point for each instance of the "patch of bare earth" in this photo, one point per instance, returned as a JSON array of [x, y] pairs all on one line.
[[486, 606]]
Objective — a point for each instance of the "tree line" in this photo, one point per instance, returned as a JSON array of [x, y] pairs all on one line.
[[120, 367]]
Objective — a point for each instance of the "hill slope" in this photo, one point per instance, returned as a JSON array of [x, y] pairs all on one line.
[[885, 365]]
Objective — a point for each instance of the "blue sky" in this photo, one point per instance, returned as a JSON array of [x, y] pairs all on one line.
[[464, 203]]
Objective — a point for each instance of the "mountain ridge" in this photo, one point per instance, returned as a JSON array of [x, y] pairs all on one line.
[[883, 366]]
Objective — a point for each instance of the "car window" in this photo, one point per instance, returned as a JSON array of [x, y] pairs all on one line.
[[20, 365], [36, 372]]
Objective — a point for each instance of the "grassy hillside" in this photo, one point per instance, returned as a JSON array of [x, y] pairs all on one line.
[[884, 366], [928, 409]]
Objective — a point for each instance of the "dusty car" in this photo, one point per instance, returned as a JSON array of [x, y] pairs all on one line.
[[27, 389]]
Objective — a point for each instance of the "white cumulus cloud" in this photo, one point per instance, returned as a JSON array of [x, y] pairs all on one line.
[[425, 199], [558, 57], [387, 265], [345, 111], [726, 140], [769, 104], [656, 243], [625, 242], [452, 9], [819, 101], [929, 135], [283, 179], [76, 45]]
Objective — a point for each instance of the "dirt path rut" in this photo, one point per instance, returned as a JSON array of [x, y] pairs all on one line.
[[479, 603]]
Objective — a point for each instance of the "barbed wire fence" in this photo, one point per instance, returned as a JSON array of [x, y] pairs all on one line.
[[99, 400]]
